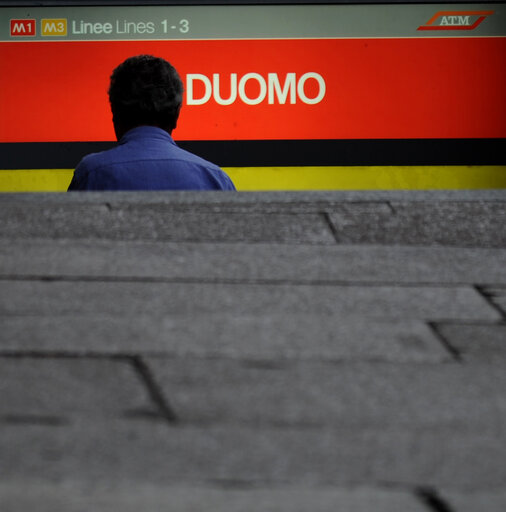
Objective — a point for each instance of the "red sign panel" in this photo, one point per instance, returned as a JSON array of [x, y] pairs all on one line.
[[267, 89]]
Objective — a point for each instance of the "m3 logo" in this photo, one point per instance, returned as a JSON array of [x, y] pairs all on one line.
[[455, 20], [54, 27], [22, 28]]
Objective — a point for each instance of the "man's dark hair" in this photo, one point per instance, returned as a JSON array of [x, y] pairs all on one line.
[[145, 90]]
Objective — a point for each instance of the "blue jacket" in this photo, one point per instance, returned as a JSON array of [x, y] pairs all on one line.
[[147, 158]]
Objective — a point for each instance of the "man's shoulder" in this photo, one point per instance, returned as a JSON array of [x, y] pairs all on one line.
[[84, 173], [186, 159], [101, 158], [149, 158], [184, 155]]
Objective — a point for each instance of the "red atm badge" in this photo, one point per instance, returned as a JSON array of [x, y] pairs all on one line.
[[455, 20], [22, 27]]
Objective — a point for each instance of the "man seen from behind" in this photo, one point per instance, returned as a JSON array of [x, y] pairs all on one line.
[[146, 95]]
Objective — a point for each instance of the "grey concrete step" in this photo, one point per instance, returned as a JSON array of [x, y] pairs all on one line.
[[258, 337], [305, 351], [344, 395], [75, 497], [478, 342], [289, 199], [196, 299], [463, 220], [156, 453], [56, 390], [463, 224], [497, 294], [240, 261], [77, 221], [492, 500], [264, 394]]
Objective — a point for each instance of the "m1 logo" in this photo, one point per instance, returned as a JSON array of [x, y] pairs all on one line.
[[22, 28], [455, 20]]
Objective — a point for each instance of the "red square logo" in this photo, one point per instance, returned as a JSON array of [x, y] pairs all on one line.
[[22, 27]]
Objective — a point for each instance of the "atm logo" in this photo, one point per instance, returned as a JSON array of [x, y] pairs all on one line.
[[22, 28], [455, 20]]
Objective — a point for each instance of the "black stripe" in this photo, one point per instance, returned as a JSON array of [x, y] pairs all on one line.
[[253, 153]]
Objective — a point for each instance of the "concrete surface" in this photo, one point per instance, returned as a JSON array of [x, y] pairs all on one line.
[[74, 498], [253, 351]]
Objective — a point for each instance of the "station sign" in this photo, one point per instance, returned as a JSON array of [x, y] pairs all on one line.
[[255, 72]]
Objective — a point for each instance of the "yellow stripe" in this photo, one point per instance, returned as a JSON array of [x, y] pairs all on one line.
[[368, 178], [35, 180], [302, 178]]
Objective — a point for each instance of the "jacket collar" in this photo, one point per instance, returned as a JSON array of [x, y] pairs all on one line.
[[146, 132]]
